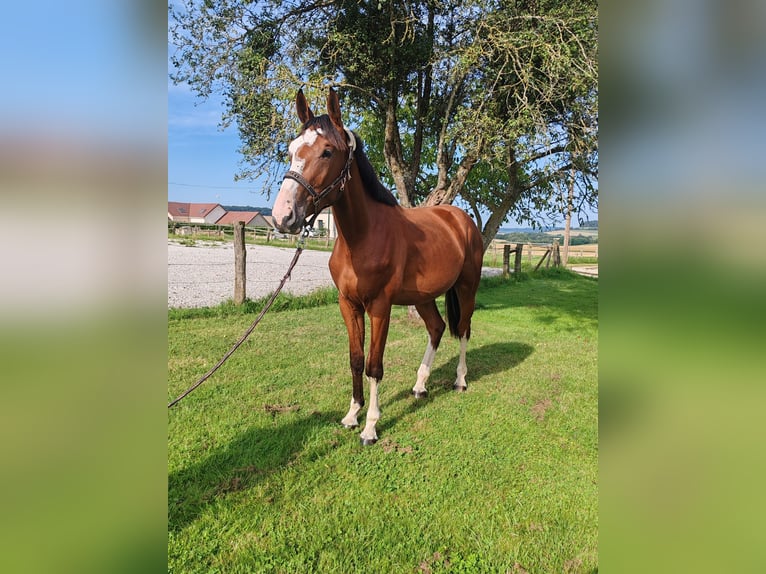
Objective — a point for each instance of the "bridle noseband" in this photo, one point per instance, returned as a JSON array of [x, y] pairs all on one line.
[[338, 183]]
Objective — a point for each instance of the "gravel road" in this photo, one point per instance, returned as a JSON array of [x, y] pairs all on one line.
[[203, 275]]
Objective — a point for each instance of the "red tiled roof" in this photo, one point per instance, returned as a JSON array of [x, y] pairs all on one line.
[[178, 209], [231, 217]]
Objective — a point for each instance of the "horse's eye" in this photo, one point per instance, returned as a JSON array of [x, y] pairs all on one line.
[[326, 153]]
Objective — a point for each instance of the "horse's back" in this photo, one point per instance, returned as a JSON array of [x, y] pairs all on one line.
[[443, 220], [461, 228], [443, 239]]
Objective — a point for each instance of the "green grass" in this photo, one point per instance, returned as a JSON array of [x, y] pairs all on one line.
[[582, 260], [262, 477], [283, 302]]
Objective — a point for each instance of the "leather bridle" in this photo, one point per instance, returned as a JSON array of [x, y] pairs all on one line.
[[337, 184]]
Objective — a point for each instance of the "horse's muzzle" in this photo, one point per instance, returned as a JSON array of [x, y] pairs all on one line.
[[288, 216], [289, 223]]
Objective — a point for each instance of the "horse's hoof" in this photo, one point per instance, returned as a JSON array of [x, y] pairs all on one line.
[[420, 394], [368, 441], [460, 389], [345, 426]]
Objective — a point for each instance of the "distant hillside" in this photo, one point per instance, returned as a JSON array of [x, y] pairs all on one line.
[[578, 237], [261, 210]]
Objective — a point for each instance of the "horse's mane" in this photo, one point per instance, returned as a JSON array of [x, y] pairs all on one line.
[[375, 189], [323, 122], [372, 184]]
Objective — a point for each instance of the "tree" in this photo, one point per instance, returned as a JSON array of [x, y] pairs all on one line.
[[578, 186], [480, 101]]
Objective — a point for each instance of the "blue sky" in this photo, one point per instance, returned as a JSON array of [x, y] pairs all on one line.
[[202, 158]]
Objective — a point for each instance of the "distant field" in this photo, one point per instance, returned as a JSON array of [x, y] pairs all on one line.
[[583, 232]]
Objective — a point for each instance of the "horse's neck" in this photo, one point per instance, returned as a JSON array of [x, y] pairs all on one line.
[[352, 211]]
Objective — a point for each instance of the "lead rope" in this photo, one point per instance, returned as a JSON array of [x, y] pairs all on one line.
[[266, 307]]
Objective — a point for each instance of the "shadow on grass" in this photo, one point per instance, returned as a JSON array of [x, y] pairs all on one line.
[[259, 452], [481, 361], [240, 465]]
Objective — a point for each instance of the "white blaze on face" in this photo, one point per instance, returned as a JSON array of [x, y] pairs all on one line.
[[307, 138], [283, 205]]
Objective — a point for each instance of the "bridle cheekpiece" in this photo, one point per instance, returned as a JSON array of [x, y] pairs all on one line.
[[338, 183]]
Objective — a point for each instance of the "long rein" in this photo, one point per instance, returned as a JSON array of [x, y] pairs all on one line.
[[243, 338], [338, 183]]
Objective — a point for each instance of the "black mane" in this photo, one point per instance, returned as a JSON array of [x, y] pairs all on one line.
[[372, 184], [375, 189]]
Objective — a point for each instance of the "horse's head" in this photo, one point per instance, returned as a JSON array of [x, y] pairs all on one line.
[[320, 163]]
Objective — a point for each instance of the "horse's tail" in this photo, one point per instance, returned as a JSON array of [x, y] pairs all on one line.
[[452, 303]]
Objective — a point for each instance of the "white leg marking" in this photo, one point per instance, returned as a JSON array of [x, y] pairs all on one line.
[[350, 420], [425, 369], [373, 413], [462, 370]]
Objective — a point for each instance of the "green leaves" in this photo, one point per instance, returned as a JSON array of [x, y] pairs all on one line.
[[503, 88]]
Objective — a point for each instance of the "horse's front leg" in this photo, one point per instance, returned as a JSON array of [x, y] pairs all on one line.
[[380, 316], [353, 316]]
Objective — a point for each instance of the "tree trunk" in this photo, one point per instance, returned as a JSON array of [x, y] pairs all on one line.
[[413, 314], [568, 218], [392, 148], [500, 211], [425, 80]]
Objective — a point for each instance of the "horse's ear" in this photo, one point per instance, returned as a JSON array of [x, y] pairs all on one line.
[[333, 110], [302, 107]]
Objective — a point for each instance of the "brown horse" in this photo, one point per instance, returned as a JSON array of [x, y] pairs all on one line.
[[384, 255]]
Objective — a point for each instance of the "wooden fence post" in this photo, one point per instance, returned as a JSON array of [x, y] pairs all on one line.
[[506, 261], [556, 254], [240, 277], [517, 260], [547, 255]]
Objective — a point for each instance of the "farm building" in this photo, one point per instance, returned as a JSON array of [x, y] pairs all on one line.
[[325, 221], [215, 214], [200, 213], [251, 219]]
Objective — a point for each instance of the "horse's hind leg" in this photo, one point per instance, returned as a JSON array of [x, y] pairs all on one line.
[[435, 325], [466, 293], [462, 369]]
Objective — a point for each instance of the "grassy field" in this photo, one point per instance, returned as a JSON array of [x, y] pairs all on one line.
[[503, 478]]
